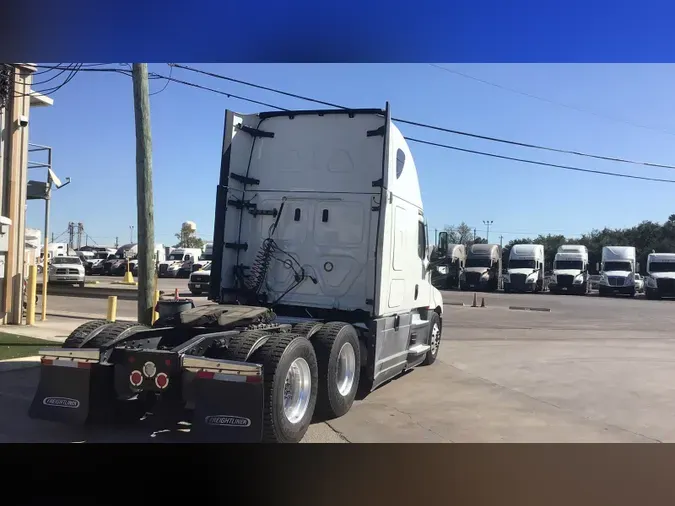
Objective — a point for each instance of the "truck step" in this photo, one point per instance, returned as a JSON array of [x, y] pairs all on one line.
[[418, 349]]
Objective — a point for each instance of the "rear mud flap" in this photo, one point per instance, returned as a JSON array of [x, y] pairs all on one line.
[[74, 395], [226, 411]]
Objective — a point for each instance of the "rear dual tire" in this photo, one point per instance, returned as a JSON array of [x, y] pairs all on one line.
[[338, 353], [290, 386]]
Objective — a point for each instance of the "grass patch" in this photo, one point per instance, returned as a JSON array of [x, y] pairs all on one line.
[[14, 346]]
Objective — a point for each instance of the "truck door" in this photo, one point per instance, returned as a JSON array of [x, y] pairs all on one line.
[[423, 286]]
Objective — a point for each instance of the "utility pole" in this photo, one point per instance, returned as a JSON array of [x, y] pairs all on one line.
[[144, 203], [117, 242], [131, 233], [71, 235], [80, 231], [474, 234], [487, 223], [501, 241]]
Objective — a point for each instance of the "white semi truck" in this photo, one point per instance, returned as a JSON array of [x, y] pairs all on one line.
[[449, 262], [617, 271], [570, 270], [482, 268], [170, 267], [525, 271], [660, 279], [320, 285]]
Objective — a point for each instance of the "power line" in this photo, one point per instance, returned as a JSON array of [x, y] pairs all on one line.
[[260, 87], [445, 146], [544, 164], [229, 95], [547, 100], [426, 125], [534, 146], [483, 153], [165, 84]]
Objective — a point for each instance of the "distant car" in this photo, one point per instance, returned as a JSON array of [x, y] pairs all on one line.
[[200, 280], [67, 270]]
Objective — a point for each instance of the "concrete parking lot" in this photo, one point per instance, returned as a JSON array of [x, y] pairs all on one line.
[[590, 370]]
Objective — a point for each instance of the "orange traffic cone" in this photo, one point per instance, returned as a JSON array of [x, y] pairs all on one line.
[[482, 302], [475, 300]]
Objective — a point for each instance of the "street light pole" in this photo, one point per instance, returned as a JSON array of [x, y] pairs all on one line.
[[487, 223]]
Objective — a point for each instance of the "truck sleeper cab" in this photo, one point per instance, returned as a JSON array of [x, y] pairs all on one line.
[[320, 281], [482, 268], [525, 271], [617, 271], [660, 279], [570, 270]]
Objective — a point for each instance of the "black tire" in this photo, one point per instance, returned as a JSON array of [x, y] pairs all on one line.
[[276, 356], [433, 351], [114, 331], [307, 329], [77, 336], [81, 284], [328, 342], [241, 345], [195, 292]]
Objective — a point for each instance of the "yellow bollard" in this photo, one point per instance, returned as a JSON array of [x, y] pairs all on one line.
[[31, 291], [155, 301], [112, 309]]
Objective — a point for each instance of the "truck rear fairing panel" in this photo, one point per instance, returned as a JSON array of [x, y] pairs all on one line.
[[314, 178]]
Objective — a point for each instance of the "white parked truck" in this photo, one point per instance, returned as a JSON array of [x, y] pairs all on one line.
[[482, 268], [617, 271], [570, 270], [170, 267], [448, 262], [525, 271], [320, 282], [660, 279]]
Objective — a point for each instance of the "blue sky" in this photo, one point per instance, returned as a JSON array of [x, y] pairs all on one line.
[[91, 129]]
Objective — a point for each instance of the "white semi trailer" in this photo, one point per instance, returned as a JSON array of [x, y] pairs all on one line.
[[525, 271], [320, 282], [660, 279], [570, 270], [617, 271]]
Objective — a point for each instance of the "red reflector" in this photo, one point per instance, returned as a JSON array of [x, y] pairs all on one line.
[[205, 374], [84, 365], [47, 361], [162, 380], [168, 362], [253, 379], [136, 378], [132, 359]]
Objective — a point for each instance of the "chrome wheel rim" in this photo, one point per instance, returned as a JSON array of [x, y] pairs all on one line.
[[346, 369], [297, 390], [435, 339]]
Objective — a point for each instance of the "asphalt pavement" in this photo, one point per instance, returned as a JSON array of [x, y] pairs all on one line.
[[584, 369]]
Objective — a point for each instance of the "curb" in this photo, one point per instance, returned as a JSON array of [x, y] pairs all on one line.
[[522, 308], [461, 304]]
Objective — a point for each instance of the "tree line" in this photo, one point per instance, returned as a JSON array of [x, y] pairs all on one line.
[[647, 237]]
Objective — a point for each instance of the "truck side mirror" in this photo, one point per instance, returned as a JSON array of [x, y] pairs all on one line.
[[442, 243], [597, 267]]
